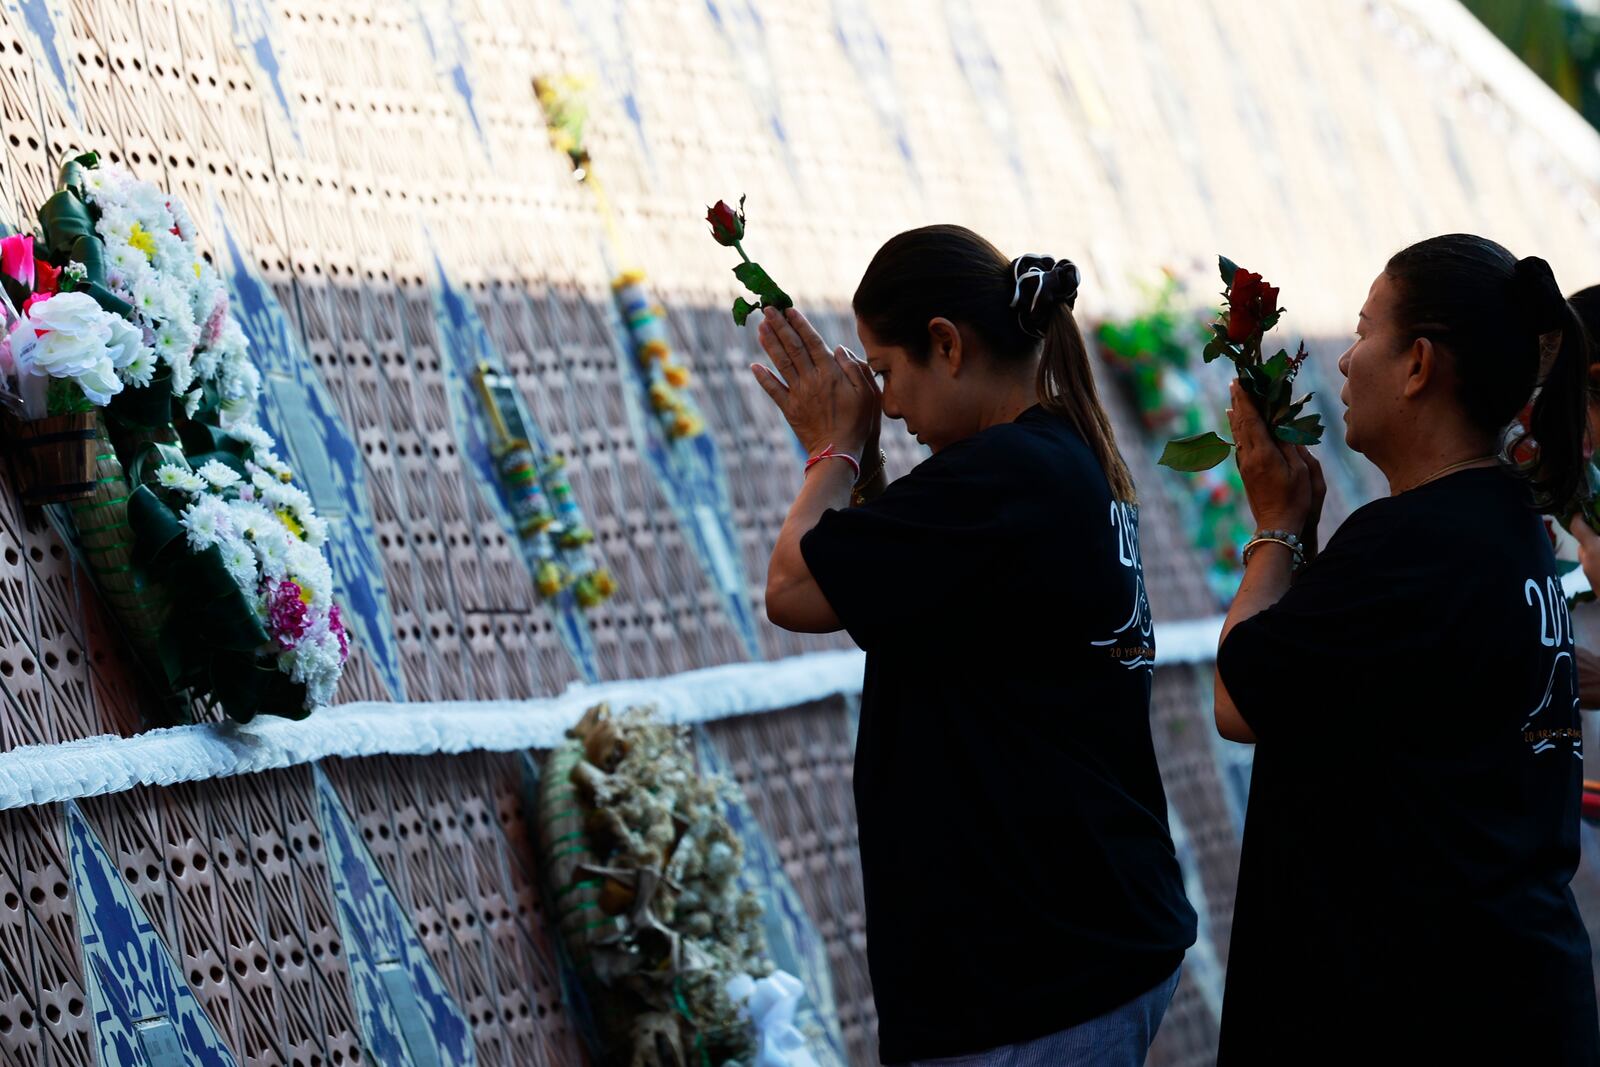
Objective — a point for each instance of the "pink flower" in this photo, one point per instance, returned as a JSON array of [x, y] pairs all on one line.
[[16, 258], [212, 330], [336, 627], [286, 613]]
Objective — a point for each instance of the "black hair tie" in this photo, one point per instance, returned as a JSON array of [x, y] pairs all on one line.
[[1537, 297], [1041, 284]]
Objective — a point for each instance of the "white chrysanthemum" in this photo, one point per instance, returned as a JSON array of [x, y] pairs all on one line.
[[314, 662], [182, 219], [273, 552], [182, 372], [240, 560], [259, 440], [205, 364], [219, 474], [316, 528], [207, 522], [142, 369], [252, 519], [286, 495], [241, 383], [311, 570], [172, 476]]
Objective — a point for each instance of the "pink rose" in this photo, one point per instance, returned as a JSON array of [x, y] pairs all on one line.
[[16, 258]]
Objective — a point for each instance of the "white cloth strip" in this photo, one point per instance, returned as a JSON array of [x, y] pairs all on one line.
[[94, 766]]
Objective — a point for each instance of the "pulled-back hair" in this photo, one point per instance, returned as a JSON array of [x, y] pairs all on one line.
[[1495, 313], [950, 272]]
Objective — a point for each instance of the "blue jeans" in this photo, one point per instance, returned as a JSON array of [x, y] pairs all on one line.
[[1119, 1038]]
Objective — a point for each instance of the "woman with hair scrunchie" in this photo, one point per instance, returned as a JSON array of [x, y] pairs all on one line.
[[1024, 903], [1413, 819]]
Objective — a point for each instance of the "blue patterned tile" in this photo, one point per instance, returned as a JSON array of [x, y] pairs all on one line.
[[131, 977], [379, 939], [40, 17], [252, 31], [690, 473], [465, 343], [298, 411]]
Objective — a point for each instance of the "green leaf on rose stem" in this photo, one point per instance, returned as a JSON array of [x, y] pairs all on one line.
[[742, 310], [760, 283], [1276, 367], [1306, 430], [1268, 321], [1215, 348], [1228, 268], [1254, 380], [1298, 406], [1198, 452]]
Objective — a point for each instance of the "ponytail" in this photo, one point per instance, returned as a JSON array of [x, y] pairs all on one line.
[[1495, 314], [1014, 306], [1066, 388], [1560, 418]]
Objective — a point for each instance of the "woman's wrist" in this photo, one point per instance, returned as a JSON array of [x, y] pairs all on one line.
[[871, 486], [830, 451], [1282, 520], [872, 463], [1268, 538]]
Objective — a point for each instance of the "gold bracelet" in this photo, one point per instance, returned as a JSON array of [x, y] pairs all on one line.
[[1295, 558]]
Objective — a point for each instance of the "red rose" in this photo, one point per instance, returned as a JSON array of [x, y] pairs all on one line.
[[47, 279], [1250, 302], [727, 225]]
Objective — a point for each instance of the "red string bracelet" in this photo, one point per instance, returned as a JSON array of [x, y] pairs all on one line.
[[829, 453]]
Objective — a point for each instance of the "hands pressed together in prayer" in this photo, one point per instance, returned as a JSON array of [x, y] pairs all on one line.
[[828, 398]]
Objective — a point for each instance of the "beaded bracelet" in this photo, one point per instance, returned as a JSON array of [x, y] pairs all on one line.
[[1277, 537]]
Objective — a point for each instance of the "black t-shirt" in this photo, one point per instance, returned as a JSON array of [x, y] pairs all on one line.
[[1018, 869], [1413, 818]]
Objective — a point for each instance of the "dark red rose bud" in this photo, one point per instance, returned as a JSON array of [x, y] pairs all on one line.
[[1250, 302], [727, 225]]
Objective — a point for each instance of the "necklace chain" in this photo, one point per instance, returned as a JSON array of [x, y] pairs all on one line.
[[1442, 471]]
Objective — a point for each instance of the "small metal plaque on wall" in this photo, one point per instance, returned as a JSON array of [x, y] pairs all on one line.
[[158, 1040]]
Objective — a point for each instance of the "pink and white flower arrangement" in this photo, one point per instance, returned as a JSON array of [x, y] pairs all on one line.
[[270, 538], [265, 526], [61, 335], [153, 262]]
